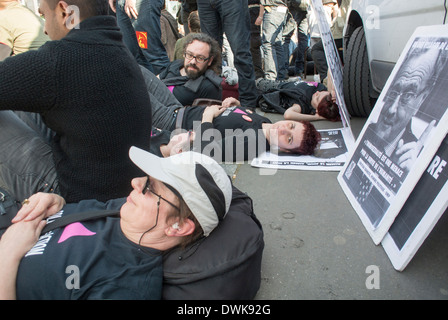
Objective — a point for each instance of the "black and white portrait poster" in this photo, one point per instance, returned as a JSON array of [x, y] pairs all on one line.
[[424, 207], [402, 134]]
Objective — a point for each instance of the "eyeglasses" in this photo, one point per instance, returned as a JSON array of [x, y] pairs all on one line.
[[199, 59], [147, 188], [405, 97]]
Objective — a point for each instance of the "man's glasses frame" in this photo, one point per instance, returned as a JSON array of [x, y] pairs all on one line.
[[189, 56]]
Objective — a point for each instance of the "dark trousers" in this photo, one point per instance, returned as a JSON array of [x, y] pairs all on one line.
[[232, 18], [154, 57], [255, 42], [320, 61], [186, 8], [302, 39]]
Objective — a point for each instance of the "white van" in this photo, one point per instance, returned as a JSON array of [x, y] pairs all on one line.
[[375, 34]]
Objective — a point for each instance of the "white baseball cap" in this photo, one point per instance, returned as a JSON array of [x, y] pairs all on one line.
[[198, 179]]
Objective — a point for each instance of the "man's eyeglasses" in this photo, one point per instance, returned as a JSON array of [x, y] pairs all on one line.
[[147, 188], [199, 59], [405, 97]]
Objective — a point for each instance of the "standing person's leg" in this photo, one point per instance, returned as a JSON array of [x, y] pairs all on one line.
[[272, 33], [129, 36], [26, 159], [255, 42], [232, 17], [288, 31], [210, 19], [149, 34], [186, 8], [320, 60], [236, 23], [302, 41]]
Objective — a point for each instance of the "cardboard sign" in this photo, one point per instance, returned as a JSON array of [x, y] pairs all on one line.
[[424, 207], [333, 59], [402, 134]]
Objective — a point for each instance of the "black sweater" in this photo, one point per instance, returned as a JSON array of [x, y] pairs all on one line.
[[91, 93]]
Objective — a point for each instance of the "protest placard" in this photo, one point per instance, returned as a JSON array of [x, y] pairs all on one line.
[[402, 134]]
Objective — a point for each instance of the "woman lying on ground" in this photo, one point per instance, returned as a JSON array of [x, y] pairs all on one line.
[[227, 132], [323, 107], [115, 257], [230, 133], [300, 100]]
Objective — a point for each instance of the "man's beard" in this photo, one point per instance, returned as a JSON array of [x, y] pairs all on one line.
[[193, 73]]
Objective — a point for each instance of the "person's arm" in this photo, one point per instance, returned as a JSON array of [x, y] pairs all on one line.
[[259, 20], [211, 112], [230, 102], [17, 240], [22, 78], [40, 205], [205, 140], [5, 51], [295, 113]]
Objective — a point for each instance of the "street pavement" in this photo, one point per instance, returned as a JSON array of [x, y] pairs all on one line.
[[317, 248]]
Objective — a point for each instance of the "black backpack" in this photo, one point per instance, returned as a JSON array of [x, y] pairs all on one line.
[[224, 265]]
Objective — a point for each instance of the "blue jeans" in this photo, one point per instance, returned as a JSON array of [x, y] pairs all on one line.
[[232, 18], [272, 43], [26, 157], [154, 57]]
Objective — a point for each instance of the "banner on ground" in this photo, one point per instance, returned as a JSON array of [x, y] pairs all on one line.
[[330, 155]]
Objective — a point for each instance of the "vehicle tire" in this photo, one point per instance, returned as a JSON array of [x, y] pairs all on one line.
[[356, 76]]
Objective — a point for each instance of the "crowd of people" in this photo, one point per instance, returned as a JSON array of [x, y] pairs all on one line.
[[94, 101]]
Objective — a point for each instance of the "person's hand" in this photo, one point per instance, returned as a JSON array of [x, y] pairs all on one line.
[[40, 205], [131, 9], [333, 96], [19, 238], [113, 5], [230, 102], [318, 116], [408, 153], [211, 112]]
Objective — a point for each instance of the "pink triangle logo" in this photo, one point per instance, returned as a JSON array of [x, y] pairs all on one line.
[[73, 230], [239, 111]]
